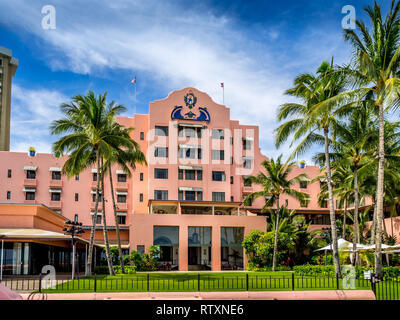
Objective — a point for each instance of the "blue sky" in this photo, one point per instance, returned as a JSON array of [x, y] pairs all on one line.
[[256, 48]]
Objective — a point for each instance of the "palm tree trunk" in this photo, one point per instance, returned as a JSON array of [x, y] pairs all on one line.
[[379, 195], [276, 236], [121, 259], [344, 219], [384, 228], [331, 206], [356, 233], [373, 226], [106, 242], [88, 271]]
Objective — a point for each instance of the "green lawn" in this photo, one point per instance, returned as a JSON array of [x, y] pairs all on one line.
[[213, 281]]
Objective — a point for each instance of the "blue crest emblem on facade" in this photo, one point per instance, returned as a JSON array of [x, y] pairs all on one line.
[[190, 111]]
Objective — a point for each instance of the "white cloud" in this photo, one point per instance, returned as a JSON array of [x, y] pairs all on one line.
[[178, 46], [32, 113]]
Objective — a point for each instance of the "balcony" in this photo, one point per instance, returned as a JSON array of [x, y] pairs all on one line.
[[121, 185], [122, 206], [55, 184], [247, 189], [55, 204], [93, 205], [31, 201], [30, 182]]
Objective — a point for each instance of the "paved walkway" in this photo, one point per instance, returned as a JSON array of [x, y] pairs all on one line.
[[241, 295]]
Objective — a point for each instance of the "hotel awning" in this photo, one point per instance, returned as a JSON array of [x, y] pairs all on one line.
[[29, 189], [94, 192], [248, 138], [94, 170], [190, 125], [189, 146], [33, 168], [120, 172], [247, 158], [190, 168], [99, 213], [34, 234], [190, 189], [55, 190], [55, 169], [122, 213], [122, 193]]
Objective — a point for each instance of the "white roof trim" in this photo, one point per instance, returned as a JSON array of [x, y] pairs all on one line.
[[30, 168], [191, 125], [29, 190], [123, 193], [94, 191], [94, 170], [190, 168], [122, 213], [55, 190], [99, 213], [56, 169]]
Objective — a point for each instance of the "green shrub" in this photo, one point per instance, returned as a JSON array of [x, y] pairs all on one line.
[[117, 270]]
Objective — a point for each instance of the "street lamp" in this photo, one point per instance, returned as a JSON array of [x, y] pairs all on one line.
[[328, 236], [73, 228]]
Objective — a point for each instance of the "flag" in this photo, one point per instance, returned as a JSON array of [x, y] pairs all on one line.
[[222, 84], [134, 80]]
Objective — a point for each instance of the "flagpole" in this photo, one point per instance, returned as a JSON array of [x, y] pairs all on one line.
[[223, 94], [135, 97]]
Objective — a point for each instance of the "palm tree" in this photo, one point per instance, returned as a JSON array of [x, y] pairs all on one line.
[[311, 118], [87, 138], [376, 70], [275, 184], [126, 159]]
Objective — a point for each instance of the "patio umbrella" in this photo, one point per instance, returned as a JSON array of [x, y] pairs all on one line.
[[342, 244], [8, 294]]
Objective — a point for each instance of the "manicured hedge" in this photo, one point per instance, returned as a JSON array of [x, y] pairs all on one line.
[[329, 270], [117, 269]]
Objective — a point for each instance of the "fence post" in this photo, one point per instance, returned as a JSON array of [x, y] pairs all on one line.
[[247, 282], [373, 288], [148, 282], [337, 281], [40, 282], [292, 281], [95, 283], [198, 281]]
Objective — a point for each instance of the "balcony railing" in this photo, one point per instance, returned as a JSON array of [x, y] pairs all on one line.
[[122, 206], [121, 185], [55, 183], [30, 182], [55, 204]]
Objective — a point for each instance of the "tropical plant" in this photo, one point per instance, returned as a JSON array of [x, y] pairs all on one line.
[[275, 183]]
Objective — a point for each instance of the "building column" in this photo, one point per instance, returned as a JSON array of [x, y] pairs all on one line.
[[179, 208], [183, 248], [216, 248], [213, 210]]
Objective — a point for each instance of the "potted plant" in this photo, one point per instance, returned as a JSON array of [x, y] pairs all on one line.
[[32, 151], [302, 164]]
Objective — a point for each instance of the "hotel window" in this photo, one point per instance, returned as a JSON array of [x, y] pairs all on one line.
[[140, 249], [161, 131], [199, 195], [161, 152], [180, 195], [304, 203], [55, 196], [76, 217], [303, 184], [98, 219], [141, 176], [76, 196], [77, 177], [180, 174], [9, 173], [161, 194], [190, 175], [247, 163], [231, 198], [246, 182], [160, 173], [231, 179], [199, 174], [8, 195], [189, 132], [231, 139], [31, 174], [246, 144], [198, 153], [217, 134], [121, 219], [121, 177], [29, 195], [324, 204], [286, 202], [218, 176], [231, 160], [121, 198], [95, 176], [94, 197], [218, 196], [190, 195], [141, 197], [251, 200], [188, 153], [141, 135], [218, 155], [56, 175]]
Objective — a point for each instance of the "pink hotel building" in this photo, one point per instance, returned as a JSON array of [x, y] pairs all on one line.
[[188, 199]]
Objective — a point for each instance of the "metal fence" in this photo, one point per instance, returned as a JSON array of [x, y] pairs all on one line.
[[388, 289]]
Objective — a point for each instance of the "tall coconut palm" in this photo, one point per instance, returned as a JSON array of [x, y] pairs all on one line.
[[126, 159], [313, 118], [376, 69], [275, 183], [86, 139]]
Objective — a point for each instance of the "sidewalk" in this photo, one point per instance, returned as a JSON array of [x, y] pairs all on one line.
[[239, 295]]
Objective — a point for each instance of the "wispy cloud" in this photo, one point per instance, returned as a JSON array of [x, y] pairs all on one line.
[[177, 46]]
